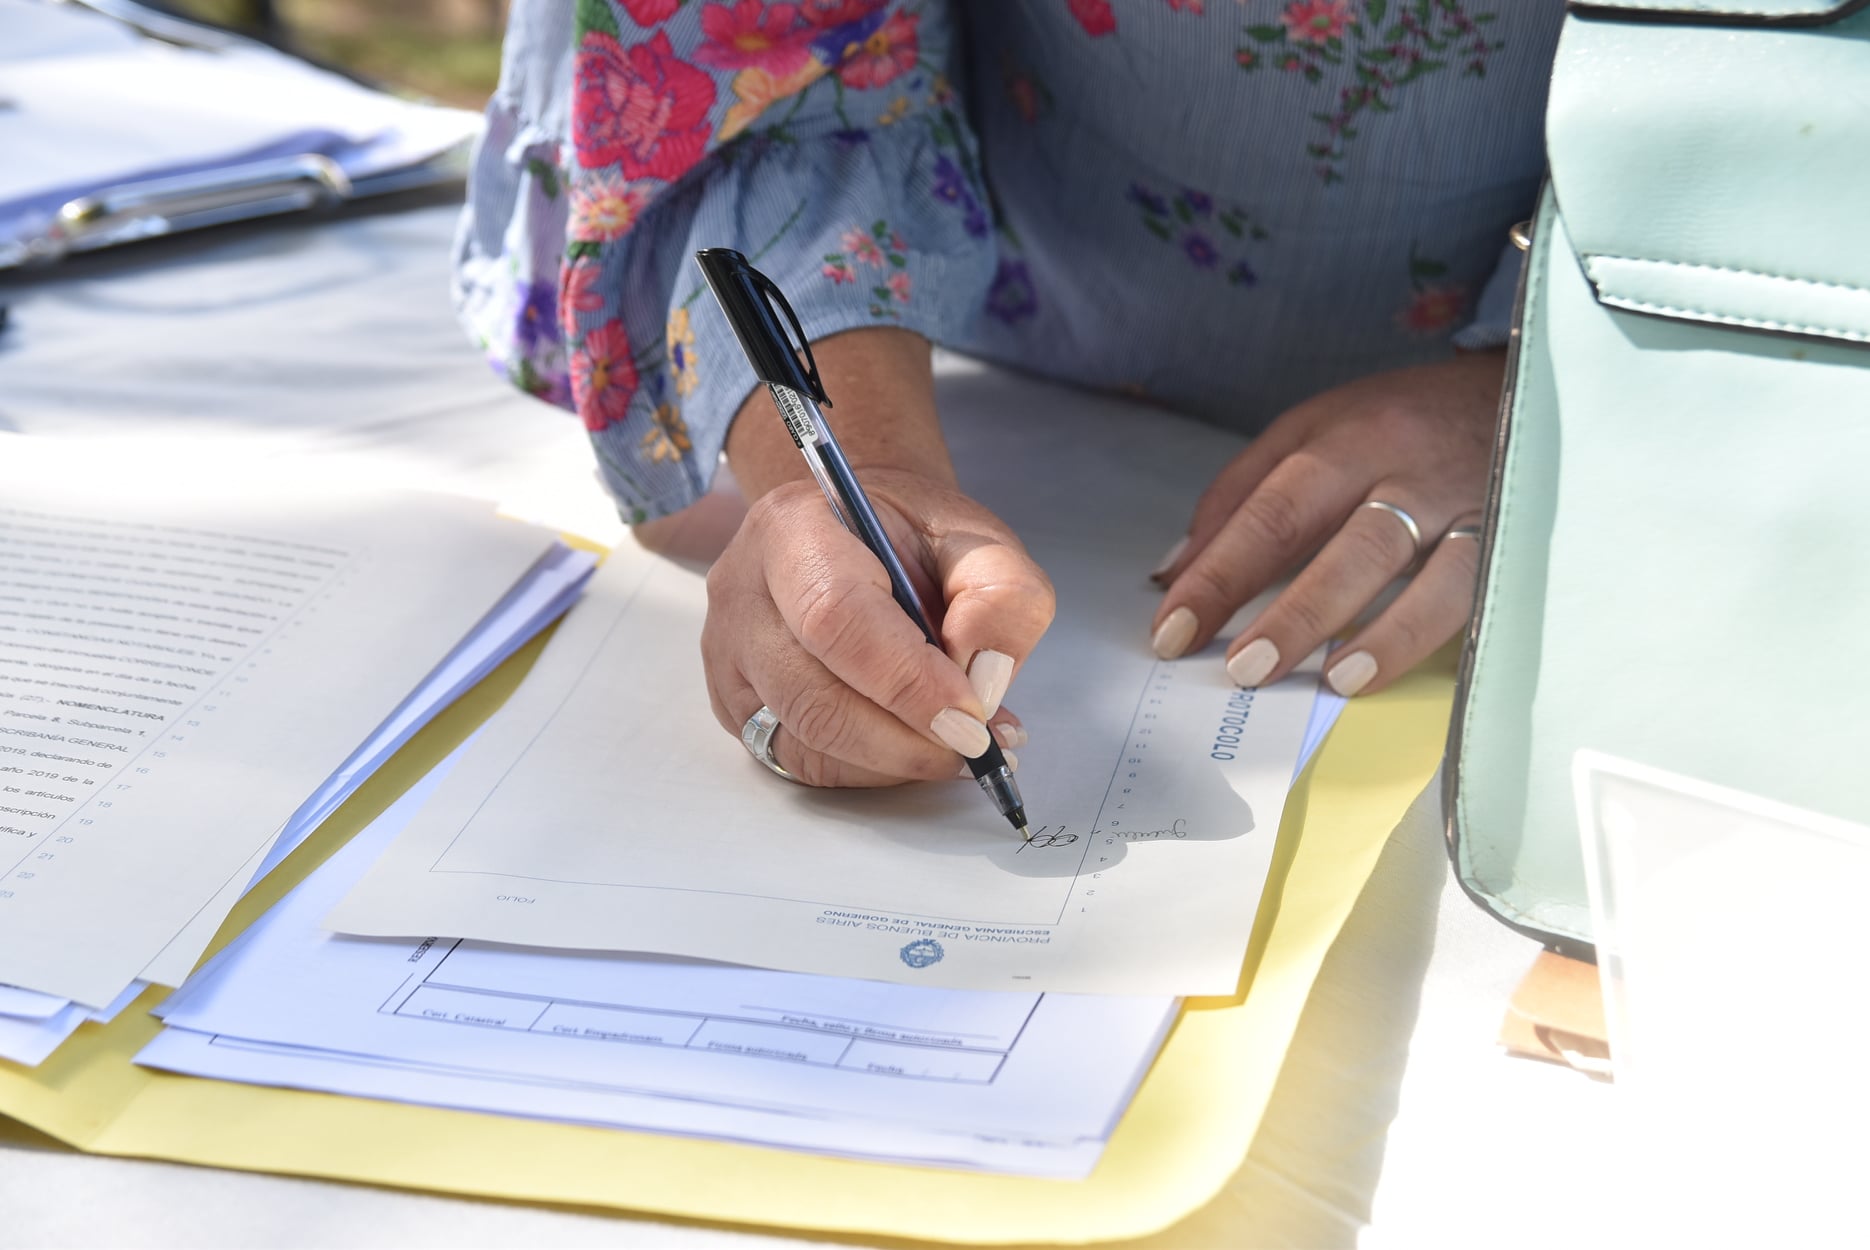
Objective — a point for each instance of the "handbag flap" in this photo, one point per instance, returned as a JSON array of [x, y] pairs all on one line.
[[1717, 175]]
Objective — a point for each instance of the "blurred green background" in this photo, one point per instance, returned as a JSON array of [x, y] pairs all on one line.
[[446, 50]]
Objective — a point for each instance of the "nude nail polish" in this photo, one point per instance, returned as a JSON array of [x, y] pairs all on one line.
[[1251, 664], [1174, 635], [1009, 734], [961, 732], [1168, 561], [1352, 673], [989, 672]]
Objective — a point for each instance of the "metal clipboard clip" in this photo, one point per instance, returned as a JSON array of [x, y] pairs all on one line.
[[153, 207]]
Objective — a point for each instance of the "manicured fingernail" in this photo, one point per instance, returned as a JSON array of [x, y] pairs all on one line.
[[1009, 734], [961, 732], [1174, 635], [1012, 761], [989, 672], [1352, 673], [1168, 561], [1253, 662], [966, 773]]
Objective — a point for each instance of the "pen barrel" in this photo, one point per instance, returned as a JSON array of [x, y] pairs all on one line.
[[861, 519]]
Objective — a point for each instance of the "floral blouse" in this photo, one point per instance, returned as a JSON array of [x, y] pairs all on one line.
[[1222, 205]]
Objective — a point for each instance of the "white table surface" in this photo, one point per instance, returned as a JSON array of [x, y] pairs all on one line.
[[1397, 1121]]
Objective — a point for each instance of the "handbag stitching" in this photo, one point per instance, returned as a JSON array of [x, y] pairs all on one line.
[[1594, 257], [1752, 323], [1853, 333]]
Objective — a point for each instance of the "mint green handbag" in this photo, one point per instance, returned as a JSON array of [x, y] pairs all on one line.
[[1676, 567]]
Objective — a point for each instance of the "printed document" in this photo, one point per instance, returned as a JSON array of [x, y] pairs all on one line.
[[605, 809], [982, 1079], [181, 663]]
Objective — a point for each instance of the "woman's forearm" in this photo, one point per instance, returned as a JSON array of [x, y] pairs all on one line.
[[881, 382]]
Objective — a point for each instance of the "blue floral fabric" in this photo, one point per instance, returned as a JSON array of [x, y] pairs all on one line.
[[1222, 205]]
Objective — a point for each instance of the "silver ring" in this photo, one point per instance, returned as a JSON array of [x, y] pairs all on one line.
[[757, 736], [1464, 531], [1415, 531]]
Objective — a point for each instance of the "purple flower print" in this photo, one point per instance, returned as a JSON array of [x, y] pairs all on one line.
[[536, 321], [1198, 202], [1147, 200], [1200, 250], [951, 188], [1011, 297], [1240, 273]]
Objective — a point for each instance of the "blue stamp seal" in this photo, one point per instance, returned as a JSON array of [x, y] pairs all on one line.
[[922, 952]]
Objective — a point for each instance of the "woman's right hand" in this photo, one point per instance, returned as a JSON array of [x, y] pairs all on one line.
[[800, 619]]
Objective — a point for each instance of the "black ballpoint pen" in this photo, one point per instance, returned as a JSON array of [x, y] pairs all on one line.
[[747, 297]]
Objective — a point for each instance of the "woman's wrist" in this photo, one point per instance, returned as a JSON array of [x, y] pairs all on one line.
[[881, 381]]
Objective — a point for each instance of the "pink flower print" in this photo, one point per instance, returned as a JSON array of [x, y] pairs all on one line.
[[823, 13], [1186, 6], [899, 286], [603, 377], [896, 243], [886, 55], [603, 209], [753, 34], [650, 12], [861, 246], [1433, 308], [579, 293], [1094, 15], [643, 110], [1316, 21], [839, 272]]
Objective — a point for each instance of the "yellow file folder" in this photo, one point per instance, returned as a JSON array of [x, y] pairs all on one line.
[[1177, 1147]]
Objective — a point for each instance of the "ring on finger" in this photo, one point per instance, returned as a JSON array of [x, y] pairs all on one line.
[[1409, 522], [1463, 531], [757, 736]]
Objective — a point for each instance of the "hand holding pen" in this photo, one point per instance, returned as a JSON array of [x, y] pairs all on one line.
[[808, 620]]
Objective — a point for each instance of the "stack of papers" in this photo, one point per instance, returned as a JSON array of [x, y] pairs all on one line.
[[865, 1068], [949, 1040], [193, 675]]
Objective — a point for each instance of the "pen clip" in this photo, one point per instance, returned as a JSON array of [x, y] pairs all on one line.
[[770, 291]]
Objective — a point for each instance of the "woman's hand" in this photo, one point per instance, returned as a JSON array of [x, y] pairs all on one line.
[[1418, 439], [800, 617]]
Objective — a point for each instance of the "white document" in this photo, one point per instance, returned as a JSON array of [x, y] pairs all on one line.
[[604, 809], [669, 1044], [29, 1040], [548, 589], [181, 663]]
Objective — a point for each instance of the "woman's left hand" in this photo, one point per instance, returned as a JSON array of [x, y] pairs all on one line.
[[1416, 439]]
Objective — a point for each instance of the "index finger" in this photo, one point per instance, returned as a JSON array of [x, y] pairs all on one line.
[[834, 596], [1286, 516]]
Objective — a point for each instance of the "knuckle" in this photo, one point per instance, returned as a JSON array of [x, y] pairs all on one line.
[[1278, 517], [1207, 582], [1303, 618], [1381, 547], [818, 717], [827, 620]]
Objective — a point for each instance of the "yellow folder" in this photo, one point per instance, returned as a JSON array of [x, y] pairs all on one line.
[[1177, 1147]]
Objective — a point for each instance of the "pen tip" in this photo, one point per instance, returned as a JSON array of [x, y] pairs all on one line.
[[1025, 833]]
